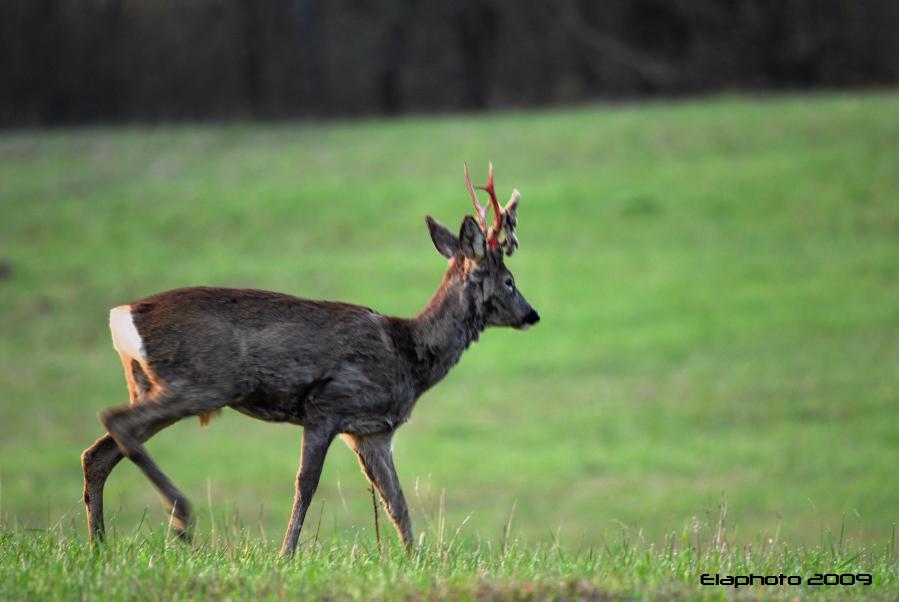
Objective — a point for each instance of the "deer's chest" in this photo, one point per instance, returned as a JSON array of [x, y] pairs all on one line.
[[380, 414]]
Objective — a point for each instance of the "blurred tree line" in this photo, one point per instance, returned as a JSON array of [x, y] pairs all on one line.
[[70, 61]]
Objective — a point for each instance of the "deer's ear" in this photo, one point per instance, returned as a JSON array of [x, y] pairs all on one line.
[[444, 240], [472, 240]]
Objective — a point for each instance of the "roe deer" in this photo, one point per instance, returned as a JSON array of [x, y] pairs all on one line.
[[334, 368]]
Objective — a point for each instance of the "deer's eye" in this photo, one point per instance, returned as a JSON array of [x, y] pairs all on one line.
[[510, 284]]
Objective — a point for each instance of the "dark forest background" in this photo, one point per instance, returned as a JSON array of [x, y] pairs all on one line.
[[74, 61]]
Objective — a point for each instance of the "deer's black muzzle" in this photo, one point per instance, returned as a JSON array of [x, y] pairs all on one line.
[[531, 318]]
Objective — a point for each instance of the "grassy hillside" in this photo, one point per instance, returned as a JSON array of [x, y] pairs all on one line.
[[236, 565], [717, 282]]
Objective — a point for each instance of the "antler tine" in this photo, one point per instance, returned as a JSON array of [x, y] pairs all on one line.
[[482, 211], [497, 212]]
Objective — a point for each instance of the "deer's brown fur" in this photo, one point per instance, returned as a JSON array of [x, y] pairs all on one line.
[[334, 368]]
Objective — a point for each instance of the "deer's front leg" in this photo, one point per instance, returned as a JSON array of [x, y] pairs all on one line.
[[312, 458], [376, 459]]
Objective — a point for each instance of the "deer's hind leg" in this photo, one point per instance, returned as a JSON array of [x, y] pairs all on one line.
[[130, 426], [98, 461], [101, 458]]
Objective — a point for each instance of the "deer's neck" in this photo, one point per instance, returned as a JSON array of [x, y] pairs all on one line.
[[450, 322]]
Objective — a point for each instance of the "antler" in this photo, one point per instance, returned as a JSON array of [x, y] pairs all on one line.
[[493, 233], [481, 211]]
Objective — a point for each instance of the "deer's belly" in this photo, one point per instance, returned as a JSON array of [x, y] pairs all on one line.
[[269, 413], [356, 401], [276, 400]]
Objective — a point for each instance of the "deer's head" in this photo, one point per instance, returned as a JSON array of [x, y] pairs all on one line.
[[478, 254]]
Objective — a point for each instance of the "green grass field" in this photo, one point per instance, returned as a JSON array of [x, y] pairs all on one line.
[[717, 282]]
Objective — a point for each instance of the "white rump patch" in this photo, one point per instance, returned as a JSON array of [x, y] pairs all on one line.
[[125, 338]]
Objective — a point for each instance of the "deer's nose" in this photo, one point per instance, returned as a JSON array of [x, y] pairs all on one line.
[[532, 318]]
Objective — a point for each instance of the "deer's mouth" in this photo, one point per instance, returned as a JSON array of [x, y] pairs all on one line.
[[529, 320]]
